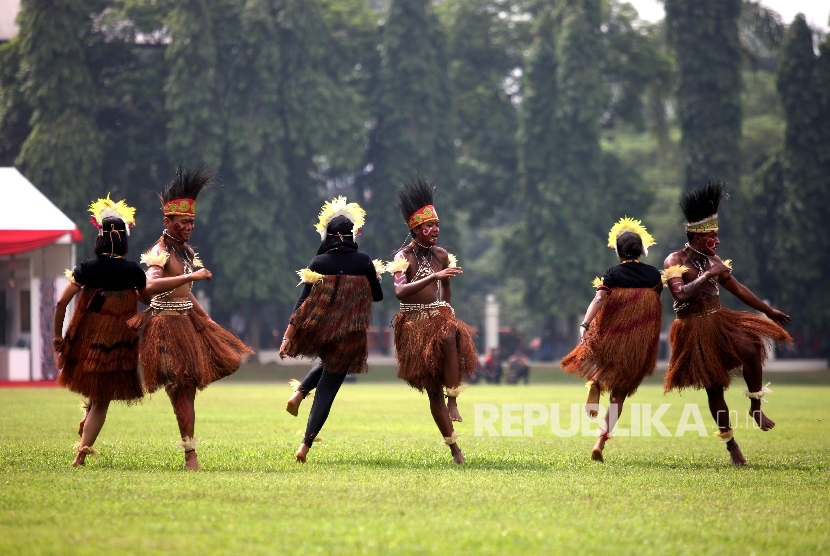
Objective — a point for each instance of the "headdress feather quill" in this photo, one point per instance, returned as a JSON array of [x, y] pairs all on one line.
[[339, 207], [107, 208], [627, 224]]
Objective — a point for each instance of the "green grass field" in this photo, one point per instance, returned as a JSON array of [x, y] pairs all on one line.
[[380, 482]]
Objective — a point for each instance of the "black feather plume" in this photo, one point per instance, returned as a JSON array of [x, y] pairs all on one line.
[[704, 201], [188, 183], [414, 194]]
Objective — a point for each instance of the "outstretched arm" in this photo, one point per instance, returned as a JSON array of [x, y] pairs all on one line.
[[743, 293]]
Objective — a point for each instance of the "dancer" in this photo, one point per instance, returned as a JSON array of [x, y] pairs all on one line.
[[709, 342], [434, 349], [181, 348], [98, 358], [620, 335], [332, 314]]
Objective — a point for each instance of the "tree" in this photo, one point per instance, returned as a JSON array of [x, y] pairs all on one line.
[[561, 159], [413, 129], [62, 153], [705, 37]]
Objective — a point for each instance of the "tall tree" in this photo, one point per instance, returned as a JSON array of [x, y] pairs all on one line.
[[413, 130], [708, 52], [62, 154], [560, 157], [197, 119]]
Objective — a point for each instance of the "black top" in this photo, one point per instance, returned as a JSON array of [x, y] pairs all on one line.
[[349, 263], [109, 274], [633, 275]]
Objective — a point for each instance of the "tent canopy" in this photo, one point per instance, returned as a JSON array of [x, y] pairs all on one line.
[[28, 220]]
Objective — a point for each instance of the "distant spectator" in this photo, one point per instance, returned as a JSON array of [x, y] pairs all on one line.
[[518, 367], [493, 367]]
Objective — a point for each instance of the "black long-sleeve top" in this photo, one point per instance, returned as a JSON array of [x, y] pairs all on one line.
[[349, 263]]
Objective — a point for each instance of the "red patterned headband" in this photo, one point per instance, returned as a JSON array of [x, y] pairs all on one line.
[[180, 207], [422, 216]]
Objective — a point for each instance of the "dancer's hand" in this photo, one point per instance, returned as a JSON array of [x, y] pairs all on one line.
[[59, 343], [448, 273], [778, 317], [719, 271], [284, 349], [201, 274], [581, 334]]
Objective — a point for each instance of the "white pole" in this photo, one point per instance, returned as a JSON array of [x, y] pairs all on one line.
[[491, 322]]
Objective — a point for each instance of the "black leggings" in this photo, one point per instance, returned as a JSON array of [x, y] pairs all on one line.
[[327, 384]]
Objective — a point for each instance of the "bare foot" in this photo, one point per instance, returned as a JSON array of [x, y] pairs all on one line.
[[80, 459], [457, 456], [592, 403], [735, 455], [452, 410], [292, 406], [764, 422], [596, 453], [85, 409], [191, 462], [302, 451]]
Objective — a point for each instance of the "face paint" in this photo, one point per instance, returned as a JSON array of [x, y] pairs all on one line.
[[709, 246]]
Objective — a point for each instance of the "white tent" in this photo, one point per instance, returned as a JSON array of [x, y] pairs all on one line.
[[36, 246]]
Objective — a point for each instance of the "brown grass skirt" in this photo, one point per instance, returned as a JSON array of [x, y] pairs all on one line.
[[100, 359], [706, 349], [418, 339], [620, 349], [188, 349], [331, 324]]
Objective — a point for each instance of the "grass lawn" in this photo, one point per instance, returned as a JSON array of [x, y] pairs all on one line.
[[380, 482]]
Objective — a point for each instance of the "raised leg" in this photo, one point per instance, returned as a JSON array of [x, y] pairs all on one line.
[[720, 412], [183, 399], [441, 416], [327, 388], [592, 403], [452, 372], [95, 416], [308, 384], [615, 408], [754, 378]]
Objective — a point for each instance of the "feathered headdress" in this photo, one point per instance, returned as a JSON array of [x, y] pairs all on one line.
[[179, 196], [627, 224], [107, 208], [339, 207], [700, 207], [415, 201]]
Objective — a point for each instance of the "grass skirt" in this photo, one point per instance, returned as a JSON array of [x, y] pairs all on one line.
[[331, 324], [100, 360], [418, 338], [620, 349], [706, 342], [187, 349]]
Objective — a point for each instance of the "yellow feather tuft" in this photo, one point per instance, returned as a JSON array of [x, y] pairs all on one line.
[[339, 207], [453, 260], [197, 262], [308, 276], [398, 265], [105, 208], [380, 268], [597, 282], [627, 224], [154, 259], [675, 271], [728, 263], [70, 276]]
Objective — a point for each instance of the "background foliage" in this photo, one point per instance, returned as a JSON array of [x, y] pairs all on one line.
[[541, 121]]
